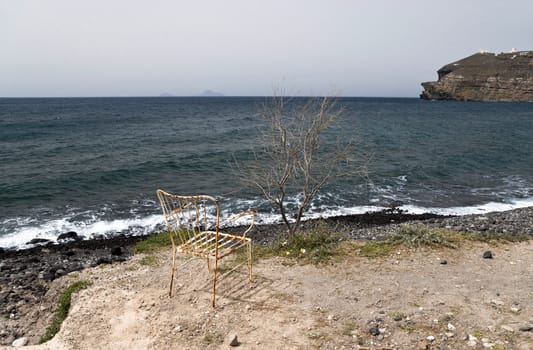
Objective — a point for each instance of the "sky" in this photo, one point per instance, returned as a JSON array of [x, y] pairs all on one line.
[[67, 48]]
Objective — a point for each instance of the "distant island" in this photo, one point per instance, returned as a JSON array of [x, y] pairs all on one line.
[[484, 76], [211, 93]]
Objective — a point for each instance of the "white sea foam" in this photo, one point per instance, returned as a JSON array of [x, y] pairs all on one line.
[[51, 229], [477, 209], [410, 209], [141, 225]]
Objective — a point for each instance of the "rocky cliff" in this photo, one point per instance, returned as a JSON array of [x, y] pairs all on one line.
[[484, 77]]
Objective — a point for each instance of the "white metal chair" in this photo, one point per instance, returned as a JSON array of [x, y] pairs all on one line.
[[193, 224]]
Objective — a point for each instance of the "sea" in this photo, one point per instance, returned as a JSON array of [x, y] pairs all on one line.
[[93, 165]]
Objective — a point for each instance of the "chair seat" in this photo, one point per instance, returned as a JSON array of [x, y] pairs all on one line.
[[203, 244]]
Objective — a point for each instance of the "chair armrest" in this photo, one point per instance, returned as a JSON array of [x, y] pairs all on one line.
[[236, 217]]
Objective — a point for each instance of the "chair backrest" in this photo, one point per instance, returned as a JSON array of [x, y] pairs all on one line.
[[188, 216]]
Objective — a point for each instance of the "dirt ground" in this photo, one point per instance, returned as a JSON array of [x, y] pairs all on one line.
[[408, 300]]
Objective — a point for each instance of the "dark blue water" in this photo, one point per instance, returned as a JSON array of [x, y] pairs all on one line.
[[92, 165]]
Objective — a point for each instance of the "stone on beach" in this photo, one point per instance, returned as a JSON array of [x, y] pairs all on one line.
[[68, 236], [487, 255]]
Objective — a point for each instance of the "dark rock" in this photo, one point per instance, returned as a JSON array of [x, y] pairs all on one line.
[[374, 330], [526, 329], [68, 253], [484, 77], [234, 342], [68, 236], [103, 260], [116, 251], [49, 276], [487, 255], [444, 262], [38, 241]]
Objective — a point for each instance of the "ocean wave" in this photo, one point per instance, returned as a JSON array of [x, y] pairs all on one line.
[[52, 229], [138, 224]]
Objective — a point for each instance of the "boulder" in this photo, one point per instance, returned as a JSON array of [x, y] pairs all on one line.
[[68, 236], [117, 251], [38, 241]]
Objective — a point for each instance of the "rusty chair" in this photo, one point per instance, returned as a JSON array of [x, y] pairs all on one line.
[[193, 224]]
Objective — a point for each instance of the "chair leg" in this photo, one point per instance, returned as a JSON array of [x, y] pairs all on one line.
[[250, 264], [171, 282], [214, 282], [172, 270]]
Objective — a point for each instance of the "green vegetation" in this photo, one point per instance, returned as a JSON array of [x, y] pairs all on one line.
[[414, 236], [320, 242], [316, 245], [407, 327], [63, 308], [376, 249], [419, 235], [216, 337], [153, 243], [148, 260]]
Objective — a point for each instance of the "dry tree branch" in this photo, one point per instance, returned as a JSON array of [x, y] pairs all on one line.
[[292, 157]]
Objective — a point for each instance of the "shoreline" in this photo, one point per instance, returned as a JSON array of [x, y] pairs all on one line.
[[26, 275]]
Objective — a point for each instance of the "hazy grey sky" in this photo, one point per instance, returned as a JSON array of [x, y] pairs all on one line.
[[244, 47]]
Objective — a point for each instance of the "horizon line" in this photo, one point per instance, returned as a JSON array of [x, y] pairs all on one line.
[[200, 96]]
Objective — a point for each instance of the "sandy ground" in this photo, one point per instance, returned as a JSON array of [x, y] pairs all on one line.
[[408, 300]]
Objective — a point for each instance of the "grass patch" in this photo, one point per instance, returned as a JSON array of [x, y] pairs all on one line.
[[419, 235], [316, 245], [153, 243], [157, 241], [376, 249], [214, 338], [148, 260], [62, 309], [414, 236]]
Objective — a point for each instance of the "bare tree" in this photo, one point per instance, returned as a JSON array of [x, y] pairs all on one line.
[[292, 159]]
